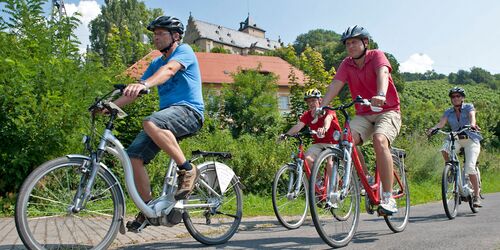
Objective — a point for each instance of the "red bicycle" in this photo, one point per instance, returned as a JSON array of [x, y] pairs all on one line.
[[289, 195], [342, 197]]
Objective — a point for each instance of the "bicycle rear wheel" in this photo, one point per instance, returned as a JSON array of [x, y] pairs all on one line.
[[449, 191], [471, 197], [216, 224], [43, 215], [397, 222], [335, 218], [289, 206]]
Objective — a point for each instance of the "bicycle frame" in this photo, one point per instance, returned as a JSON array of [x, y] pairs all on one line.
[[455, 162], [158, 207], [351, 158], [303, 166]]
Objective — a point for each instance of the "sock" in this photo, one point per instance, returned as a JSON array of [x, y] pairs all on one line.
[[186, 166]]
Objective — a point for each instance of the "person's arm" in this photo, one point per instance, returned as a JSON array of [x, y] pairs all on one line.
[[382, 84], [163, 74], [333, 90], [472, 119], [440, 124], [326, 126], [296, 128]]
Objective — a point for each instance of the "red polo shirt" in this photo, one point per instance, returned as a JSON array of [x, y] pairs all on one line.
[[363, 81], [307, 119]]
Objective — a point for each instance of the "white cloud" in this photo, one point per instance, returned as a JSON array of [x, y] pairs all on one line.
[[88, 11], [417, 63]]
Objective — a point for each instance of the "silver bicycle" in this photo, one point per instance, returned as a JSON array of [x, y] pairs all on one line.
[[76, 201], [455, 185]]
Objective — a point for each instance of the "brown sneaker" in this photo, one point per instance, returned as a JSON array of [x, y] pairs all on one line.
[[186, 182], [476, 201]]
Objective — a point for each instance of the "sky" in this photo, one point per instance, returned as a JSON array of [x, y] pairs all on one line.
[[440, 35]]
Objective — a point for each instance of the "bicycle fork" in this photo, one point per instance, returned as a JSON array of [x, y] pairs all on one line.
[[293, 194], [89, 171]]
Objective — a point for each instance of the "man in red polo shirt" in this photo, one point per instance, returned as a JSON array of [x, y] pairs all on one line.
[[368, 74]]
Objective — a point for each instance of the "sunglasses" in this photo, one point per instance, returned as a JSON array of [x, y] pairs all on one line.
[[455, 96]]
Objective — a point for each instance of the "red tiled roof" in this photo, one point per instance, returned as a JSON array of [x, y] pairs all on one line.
[[217, 68]]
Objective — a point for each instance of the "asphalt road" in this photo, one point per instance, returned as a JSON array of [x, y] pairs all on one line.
[[429, 228]]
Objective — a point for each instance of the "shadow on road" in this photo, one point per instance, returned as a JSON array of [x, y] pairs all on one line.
[[274, 243]]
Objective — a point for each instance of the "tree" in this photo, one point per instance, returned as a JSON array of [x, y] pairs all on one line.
[[250, 103], [325, 42], [126, 21], [480, 75], [44, 90]]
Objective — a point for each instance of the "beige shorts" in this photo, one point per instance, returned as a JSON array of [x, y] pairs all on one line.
[[387, 123], [315, 149]]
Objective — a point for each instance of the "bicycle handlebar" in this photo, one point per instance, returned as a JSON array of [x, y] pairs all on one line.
[[452, 133], [360, 100]]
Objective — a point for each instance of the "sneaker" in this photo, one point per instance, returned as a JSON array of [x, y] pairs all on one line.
[[476, 201], [186, 182], [388, 206], [138, 224]]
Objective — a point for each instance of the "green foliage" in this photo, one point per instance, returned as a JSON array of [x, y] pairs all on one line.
[[220, 50], [44, 89], [250, 103], [323, 41], [428, 75], [118, 34]]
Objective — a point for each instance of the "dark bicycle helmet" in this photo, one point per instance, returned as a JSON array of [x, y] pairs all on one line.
[[354, 31], [312, 93], [459, 90], [168, 22]]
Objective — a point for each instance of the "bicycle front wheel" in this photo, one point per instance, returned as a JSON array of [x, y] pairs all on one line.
[[290, 205], [449, 191], [397, 222], [219, 222], [335, 217], [44, 216]]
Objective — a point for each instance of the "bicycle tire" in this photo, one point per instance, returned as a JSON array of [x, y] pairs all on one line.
[[199, 221], [334, 232], [46, 195], [470, 199], [449, 192], [291, 212], [401, 193]]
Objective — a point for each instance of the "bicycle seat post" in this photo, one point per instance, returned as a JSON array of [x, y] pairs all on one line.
[[170, 178]]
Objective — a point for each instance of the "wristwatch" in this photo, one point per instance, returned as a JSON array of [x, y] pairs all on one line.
[[144, 83], [381, 94]]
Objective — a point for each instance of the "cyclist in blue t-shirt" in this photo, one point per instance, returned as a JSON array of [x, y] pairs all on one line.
[[176, 74], [458, 116]]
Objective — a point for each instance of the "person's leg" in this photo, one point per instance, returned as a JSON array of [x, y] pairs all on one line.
[[166, 140], [387, 127], [141, 179], [472, 150], [164, 127], [384, 161]]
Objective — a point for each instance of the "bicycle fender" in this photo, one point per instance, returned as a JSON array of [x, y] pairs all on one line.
[[224, 174], [122, 195]]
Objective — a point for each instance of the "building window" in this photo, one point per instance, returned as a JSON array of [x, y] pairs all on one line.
[[284, 102]]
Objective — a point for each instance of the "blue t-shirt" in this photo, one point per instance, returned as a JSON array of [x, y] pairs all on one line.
[[457, 124], [184, 88]]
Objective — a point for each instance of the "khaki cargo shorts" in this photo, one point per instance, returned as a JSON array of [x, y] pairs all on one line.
[[387, 123]]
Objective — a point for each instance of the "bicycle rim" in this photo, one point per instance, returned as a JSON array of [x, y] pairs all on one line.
[[334, 231], [448, 191], [289, 206], [218, 224], [43, 219], [397, 222]]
